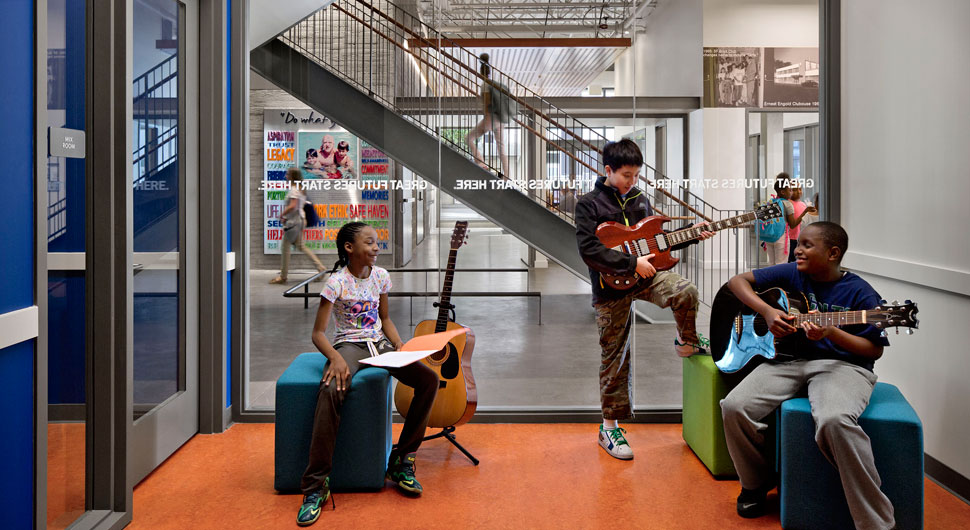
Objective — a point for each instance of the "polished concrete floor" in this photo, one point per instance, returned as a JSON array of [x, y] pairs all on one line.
[[518, 363]]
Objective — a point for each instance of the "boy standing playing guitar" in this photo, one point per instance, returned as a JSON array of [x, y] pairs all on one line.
[[616, 198], [834, 363]]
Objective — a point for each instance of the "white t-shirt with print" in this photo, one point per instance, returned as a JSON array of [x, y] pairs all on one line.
[[355, 304]]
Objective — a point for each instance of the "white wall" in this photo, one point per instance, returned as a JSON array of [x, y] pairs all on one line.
[[668, 56], [745, 23], [761, 23], [905, 187]]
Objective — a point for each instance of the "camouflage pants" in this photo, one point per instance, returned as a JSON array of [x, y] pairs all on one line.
[[614, 318]]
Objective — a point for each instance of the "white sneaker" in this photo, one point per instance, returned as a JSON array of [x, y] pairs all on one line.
[[614, 443]]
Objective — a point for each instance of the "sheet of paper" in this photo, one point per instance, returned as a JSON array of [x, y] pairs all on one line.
[[397, 359], [434, 341]]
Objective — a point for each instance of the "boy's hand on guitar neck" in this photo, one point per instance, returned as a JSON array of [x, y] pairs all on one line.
[[815, 332], [778, 321], [705, 234], [644, 268]]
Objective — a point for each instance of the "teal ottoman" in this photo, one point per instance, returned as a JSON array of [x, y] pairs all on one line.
[[363, 440], [811, 493]]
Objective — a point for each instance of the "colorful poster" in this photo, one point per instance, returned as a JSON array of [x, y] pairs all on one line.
[[374, 164], [297, 138], [328, 155], [792, 80], [732, 77]]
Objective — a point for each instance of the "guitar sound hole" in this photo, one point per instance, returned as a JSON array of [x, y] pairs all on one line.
[[449, 370]]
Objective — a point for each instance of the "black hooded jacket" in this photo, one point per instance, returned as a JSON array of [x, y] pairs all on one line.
[[599, 206]]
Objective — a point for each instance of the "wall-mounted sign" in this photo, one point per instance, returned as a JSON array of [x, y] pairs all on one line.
[[65, 142], [761, 77], [344, 177]]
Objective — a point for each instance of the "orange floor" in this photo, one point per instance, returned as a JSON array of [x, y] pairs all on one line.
[[65, 473], [531, 476]]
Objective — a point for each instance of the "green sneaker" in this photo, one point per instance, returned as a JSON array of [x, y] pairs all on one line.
[[313, 505], [614, 443], [401, 472], [687, 349]]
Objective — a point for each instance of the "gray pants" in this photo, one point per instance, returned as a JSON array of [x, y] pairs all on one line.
[[838, 392], [326, 420]]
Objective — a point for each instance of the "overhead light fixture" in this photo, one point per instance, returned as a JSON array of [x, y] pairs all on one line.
[[604, 24]]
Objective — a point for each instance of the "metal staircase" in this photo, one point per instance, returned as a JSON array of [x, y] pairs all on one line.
[[392, 80]]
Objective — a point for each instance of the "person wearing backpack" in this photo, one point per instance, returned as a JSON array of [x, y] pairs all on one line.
[[498, 110], [774, 234], [293, 221]]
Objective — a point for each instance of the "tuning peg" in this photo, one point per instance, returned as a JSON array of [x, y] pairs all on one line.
[[895, 302], [907, 302], [883, 333], [897, 331], [909, 331], [882, 302]]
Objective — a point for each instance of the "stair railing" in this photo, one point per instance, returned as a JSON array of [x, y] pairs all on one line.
[[410, 68]]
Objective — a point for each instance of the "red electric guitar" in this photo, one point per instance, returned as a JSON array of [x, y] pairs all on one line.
[[648, 237]]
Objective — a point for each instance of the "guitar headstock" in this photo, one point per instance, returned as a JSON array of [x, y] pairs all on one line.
[[460, 235], [894, 315], [768, 211]]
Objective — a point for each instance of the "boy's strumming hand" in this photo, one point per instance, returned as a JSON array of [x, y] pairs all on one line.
[[644, 268], [339, 371], [777, 321]]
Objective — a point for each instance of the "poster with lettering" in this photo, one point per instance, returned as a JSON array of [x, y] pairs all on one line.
[[374, 164], [330, 183], [328, 155], [732, 77]]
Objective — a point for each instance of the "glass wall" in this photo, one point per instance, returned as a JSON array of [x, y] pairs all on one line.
[[500, 168]]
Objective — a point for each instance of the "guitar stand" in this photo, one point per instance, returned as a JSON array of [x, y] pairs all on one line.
[[447, 433]]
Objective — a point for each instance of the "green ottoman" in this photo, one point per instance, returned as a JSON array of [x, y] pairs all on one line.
[[704, 388]]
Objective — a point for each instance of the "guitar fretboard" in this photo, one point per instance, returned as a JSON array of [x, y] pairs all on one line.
[[644, 246], [445, 300], [689, 234], [845, 318]]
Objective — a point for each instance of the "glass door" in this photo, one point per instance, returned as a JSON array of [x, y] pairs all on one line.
[[164, 220]]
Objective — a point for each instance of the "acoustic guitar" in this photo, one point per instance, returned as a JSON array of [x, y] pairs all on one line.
[[739, 334], [648, 237], [457, 397]]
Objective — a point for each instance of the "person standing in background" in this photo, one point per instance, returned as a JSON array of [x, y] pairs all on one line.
[[800, 210], [293, 221]]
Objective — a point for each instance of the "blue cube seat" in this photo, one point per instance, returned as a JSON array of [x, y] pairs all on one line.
[[363, 442], [811, 492]]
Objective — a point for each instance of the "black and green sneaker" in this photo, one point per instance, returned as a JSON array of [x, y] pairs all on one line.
[[401, 472], [313, 505]]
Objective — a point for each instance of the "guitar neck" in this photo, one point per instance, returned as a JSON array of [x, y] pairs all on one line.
[[689, 234], [844, 318], [444, 302]]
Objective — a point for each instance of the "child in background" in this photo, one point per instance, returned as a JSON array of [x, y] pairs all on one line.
[[792, 233], [342, 158]]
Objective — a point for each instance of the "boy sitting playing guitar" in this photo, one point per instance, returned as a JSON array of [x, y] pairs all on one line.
[[834, 363]]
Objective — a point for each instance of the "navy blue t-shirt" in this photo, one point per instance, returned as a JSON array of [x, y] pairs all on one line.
[[849, 293]]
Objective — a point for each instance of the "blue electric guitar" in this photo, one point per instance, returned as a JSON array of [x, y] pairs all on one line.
[[739, 334]]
